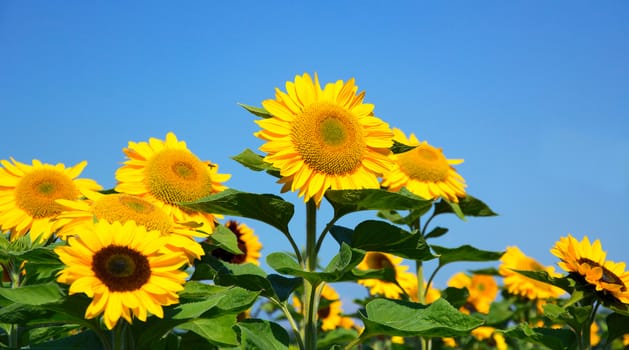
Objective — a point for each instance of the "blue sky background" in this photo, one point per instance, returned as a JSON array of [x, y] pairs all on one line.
[[533, 95]]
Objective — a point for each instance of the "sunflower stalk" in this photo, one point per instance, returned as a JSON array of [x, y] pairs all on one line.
[[311, 301]]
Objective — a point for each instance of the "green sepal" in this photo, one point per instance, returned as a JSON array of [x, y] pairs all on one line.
[[258, 111], [268, 208], [403, 318]]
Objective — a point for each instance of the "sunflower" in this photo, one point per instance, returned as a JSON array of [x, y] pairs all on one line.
[[431, 296], [587, 262], [125, 207], [424, 170], [247, 243], [167, 173], [28, 194], [518, 284], [122, 268], [324, 138], [377, 261], [482, 289], [489, 334], [330, 311]]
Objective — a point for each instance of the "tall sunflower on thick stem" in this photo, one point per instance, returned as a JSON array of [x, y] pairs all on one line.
[[319, 139]]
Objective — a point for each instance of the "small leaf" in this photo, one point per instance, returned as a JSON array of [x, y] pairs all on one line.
[[499, 312], [38, 294], [217, 330], [564, 283], [260, 112], [555, 339], [464, 253], [399, 147], [457, 297], [248, 276], [225, 239], [402, 318], [256, 162], [261, 334], [349, 201], [437, 232], [283, 286], [267, 208], [336, 337], [467, 206]]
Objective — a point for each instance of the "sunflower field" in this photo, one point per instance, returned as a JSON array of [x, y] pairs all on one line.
[[164, 261]]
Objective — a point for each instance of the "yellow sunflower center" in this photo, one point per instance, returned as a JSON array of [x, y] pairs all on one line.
[[37, 191], [377, 261], [175, 175], [606, 275], [424, 163], [121, 268], [329, 138], [123, 207]]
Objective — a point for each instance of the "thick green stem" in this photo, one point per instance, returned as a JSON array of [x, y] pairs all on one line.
[[311, 297]]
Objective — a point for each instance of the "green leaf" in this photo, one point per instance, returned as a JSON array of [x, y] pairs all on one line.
[[349, 201], [574, 316], [267, 208], [617, 326], [81, 341], [564, 283], [260, 112], [336, 337], [248, 276], [399, 147], [37, 294], [403, 318], [467, 206], [556, 339], [464, 253], [261, 334], [457, 297], [198, 299], [499, 312], [283, 286], [225, 239], [437, 232], [20, 314], [380, 236], [217, 330], [256, 162]]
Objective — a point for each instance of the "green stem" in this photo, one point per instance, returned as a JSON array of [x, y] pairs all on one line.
[[325, 231], [311, 298], [294, 246], [118, 336], [291, 321], [14, 273], [352, 344], [586, 344]]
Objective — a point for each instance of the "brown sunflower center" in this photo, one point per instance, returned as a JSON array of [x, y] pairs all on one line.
[[120, 268], [329, 138], [424, 163], [124, 207], [175, 175], [37, 191], [323, 312], [224, 255], [377, 261], [606, 276]]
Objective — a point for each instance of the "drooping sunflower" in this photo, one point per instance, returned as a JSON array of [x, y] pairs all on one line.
[[167, 173], [518, 284], [123, 269], [28, 194], [424, 170], [377, 261], [587, 262], [126, 207], [482, 289], [248, 244], [324, 138]]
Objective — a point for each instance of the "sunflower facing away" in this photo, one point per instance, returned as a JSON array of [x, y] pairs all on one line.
[[122, 268], [587, 262], [482, 289], [518, 284], [377, 261], [247, 243], [167, 173], [424, 170], [324, 138], [28, 194], [125, 207]]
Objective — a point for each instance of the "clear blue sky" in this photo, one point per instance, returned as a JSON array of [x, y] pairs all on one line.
[[533, 95]]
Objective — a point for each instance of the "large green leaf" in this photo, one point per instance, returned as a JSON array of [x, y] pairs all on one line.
[[261, 334], [349, 201], [617, 325], [403, 318], [464, 253], [564, 283], [380, 236], [267, 208], [248, 275], [467, 206], [256, 162], [37, 294], [218, 330], [199, 298], [555, 339], [336, 337]]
